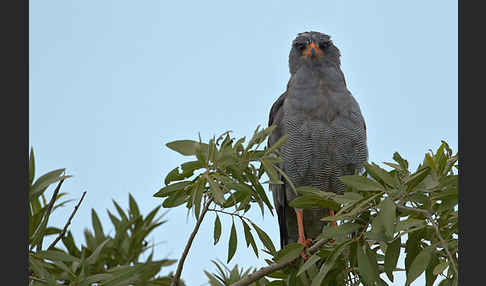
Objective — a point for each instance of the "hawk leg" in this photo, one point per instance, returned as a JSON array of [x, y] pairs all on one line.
[[331, 213], [300, 224]]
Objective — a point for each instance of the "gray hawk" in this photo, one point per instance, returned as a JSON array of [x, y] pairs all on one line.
[[326, 133]]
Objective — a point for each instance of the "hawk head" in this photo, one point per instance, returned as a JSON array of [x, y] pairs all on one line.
[[313, 49]]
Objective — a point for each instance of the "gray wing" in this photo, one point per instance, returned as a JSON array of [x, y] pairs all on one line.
[[286, 217]]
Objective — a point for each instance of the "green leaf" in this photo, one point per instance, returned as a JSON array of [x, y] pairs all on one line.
[[265, 239], [408, 223], [249, 237], [403, 163], [94, 256], [412, 248], [277, 144], [133, 206], [167, 190], [184, 147], [451, 193], [217, 230], [439, 268], [365, 267], [191, 166], [175, 200], [39, 233], [391, 257], [361, 183], [216, 192], [128, 275], [271, 172], [38, 267], [276, 283], [377, 235], [378, 173], [261, 192], [97, 227], [446, 282], [387, 213], [417, 178], [342, 230], [290, 252], [310, 201], [197, 194], [419, 264], [67, 271], [45, 180], [52, 230], [233, 241], [259, 136], [430, 277], [357, 208], [70, 245], [347, 197], [95, 278], [308, 263], [188, 169], [393, 165], [31, 167], [56, 255], [329, 264]]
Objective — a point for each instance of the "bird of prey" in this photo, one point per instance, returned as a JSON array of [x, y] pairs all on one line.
[[326, 133]]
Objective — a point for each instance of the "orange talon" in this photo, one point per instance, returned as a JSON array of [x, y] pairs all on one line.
[[306, 243], [333, 223]]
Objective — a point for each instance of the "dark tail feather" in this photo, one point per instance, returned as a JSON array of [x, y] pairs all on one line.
[[282, 227], [282, 220]]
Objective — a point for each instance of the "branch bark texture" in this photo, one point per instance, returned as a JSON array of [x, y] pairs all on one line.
[[274, 267], [61, 235], [180, 265]]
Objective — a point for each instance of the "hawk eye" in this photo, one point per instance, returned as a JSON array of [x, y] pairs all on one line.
[[324, 45], [300, 46]]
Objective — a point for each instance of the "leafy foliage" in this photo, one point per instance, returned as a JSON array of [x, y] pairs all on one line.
[[225, 276], [224, 179], [380, 212], [103, 259]]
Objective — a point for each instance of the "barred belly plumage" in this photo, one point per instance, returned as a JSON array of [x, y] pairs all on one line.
[[317, 152]]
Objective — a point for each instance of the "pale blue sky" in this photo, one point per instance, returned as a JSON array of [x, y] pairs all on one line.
[[112, 81]]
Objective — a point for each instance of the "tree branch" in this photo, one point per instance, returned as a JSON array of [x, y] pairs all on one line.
[[61, 235], [48, 211], [444, 245], [274, 267], [177, 276]]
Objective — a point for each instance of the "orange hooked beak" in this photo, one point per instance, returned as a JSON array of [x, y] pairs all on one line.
[[312, 51]]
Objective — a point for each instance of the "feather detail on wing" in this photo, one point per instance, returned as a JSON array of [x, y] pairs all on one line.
[[278, 191]]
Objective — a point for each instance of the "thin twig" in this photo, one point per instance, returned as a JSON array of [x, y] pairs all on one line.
[[274, 267], [428, 214], [37, 279], [61, 235], [48, 211], [422, 211], [232, 214], [177, 276], [444, 245]]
